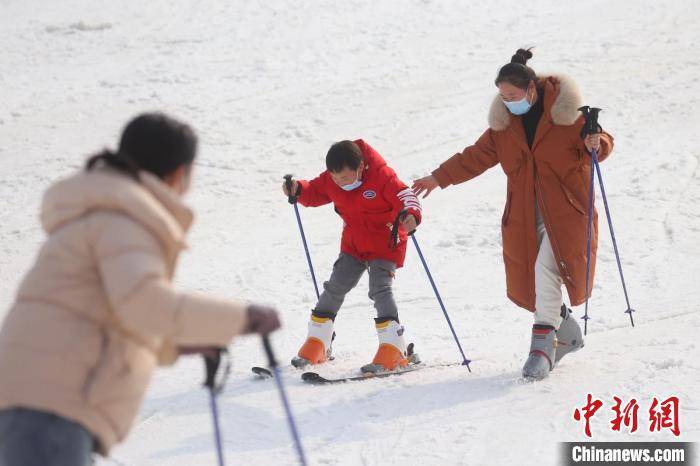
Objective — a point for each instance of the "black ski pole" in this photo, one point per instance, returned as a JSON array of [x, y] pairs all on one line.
[[285, 402], [293, 200], [211, 364]]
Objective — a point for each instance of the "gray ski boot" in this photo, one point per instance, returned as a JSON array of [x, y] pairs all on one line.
[[569, 335], [542, 352]]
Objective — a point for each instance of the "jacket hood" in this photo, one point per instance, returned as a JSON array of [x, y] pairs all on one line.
[[562, 99], [150, 202], [371, 157]]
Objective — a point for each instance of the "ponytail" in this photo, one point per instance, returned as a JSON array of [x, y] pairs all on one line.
[[116, 161], [153, 143]]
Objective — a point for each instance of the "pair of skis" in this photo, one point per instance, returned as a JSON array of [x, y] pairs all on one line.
[[317, 379]]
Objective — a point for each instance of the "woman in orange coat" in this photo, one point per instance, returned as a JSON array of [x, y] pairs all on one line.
[[534, 133]]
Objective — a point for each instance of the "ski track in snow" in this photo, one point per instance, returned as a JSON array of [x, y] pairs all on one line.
[[269, 86]]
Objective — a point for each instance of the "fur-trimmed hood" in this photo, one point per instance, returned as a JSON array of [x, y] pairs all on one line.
[[564, 109]]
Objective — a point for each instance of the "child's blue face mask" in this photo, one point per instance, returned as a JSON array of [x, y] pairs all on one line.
[[354, 185]]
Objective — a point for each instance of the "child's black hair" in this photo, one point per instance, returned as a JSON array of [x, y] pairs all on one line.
[[151, 142], [343, 154]]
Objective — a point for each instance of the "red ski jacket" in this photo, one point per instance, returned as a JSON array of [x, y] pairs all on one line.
[[368, 211]]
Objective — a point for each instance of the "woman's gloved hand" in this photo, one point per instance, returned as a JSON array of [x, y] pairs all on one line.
[[262, 319]]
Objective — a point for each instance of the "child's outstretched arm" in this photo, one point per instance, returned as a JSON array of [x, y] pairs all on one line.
[[310, 193]]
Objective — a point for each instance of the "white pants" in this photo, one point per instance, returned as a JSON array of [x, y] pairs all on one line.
[[548, 296]]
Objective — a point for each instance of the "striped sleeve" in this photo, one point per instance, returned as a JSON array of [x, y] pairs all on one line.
[[402, 197], [410, 201]]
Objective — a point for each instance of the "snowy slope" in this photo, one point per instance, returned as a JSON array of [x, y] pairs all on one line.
[[268, 86]]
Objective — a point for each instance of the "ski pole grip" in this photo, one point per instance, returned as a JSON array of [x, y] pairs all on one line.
[[401, 217], [211, 365], [272, 361], [288, 183], [394, 235], [591, 126]]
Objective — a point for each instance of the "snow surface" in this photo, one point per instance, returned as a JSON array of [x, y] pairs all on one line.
[[268, 86]]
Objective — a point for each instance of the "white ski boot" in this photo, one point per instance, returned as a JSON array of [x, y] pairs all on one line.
[[317, 348]]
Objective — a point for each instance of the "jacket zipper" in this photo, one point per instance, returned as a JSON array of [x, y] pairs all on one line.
[[551, 237]]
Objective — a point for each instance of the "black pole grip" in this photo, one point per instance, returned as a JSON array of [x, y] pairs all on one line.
[[271, 360], [394, 235], [401, 217], [211, 364], [288, 183], [591, 126]]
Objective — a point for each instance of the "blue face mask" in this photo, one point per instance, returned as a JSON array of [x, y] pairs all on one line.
[[518, 107], [354, 185]]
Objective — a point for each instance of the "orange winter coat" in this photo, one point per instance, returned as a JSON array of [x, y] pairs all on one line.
[[555, 173]]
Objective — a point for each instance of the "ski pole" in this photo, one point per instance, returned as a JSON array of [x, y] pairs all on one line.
[[612, 235], [465, 361], [293, 200], [589, 236], [211, 364], [285, 402], [591, 126]]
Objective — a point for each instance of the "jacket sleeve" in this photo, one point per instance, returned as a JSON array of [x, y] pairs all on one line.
[[468, 164], [133, 272], [401, 196], [606, 146], [313, 193]]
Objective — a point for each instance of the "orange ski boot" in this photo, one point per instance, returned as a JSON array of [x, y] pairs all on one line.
[[392, 353], [317, 347]]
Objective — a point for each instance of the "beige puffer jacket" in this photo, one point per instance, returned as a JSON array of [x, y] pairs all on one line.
[[97, 312]]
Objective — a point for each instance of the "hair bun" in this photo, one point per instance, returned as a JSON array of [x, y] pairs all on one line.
[[521, 56]]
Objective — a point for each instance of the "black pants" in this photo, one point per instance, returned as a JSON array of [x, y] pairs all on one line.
[[37, 438]]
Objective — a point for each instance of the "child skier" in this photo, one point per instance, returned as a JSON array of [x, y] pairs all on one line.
[[369, 197]]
